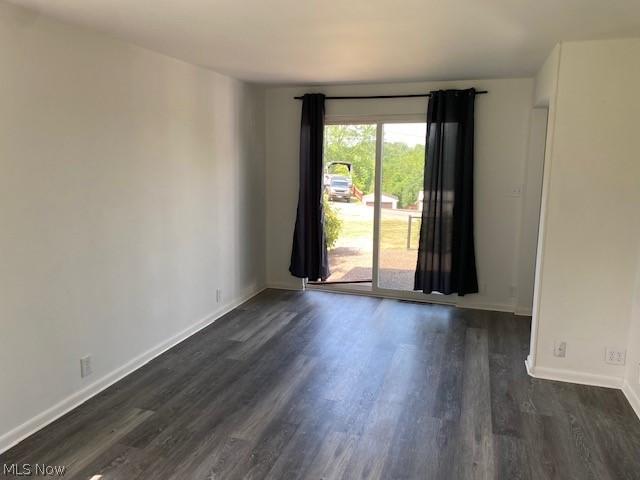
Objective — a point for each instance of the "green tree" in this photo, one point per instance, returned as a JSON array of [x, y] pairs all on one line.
[[402, 172], [402, 164], [355, 144], [339, 169]]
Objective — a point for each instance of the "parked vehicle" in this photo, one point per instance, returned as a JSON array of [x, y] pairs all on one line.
[[339, 187]]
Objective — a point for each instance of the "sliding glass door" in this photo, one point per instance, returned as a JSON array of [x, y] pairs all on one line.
[[373, 176], [400, 203]]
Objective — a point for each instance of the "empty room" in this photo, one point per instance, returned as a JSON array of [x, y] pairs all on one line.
[[320, 240]]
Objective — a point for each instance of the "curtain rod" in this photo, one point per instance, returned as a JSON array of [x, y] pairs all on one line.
[[413, 95]]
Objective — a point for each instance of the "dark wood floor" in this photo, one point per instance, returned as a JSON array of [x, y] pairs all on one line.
[[319, 385]]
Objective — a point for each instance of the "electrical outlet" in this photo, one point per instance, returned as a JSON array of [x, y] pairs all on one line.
[[560, 349], [218, 295], [615, 357], [513, 291], [515, 191], [85, 366]]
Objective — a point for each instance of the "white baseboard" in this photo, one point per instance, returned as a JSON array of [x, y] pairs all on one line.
[[573, 376], [493, 307], [524, 311], [529, 366], [633, 396], [43, 419], [285, 286]]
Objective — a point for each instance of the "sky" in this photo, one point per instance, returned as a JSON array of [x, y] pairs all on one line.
[[409, 133]]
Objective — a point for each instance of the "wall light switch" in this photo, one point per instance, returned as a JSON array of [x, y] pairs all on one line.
[[85, 366]]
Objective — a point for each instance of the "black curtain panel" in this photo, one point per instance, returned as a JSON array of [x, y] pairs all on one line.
[[309, 257], [446, 256]]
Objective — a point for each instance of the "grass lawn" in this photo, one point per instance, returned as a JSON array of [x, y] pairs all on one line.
[[393, 231]]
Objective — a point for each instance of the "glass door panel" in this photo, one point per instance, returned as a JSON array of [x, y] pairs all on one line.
[[402, 172], [349, 182]]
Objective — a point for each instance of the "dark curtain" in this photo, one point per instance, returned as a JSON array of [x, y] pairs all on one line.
[[309, 254], [446, 257]]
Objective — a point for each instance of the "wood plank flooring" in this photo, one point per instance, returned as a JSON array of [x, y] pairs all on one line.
[[321, 386]]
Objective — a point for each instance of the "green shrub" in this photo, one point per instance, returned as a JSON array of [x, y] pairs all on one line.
[[332, 223]]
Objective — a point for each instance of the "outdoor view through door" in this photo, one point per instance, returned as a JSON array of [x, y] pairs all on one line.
[[352, 206], [349, 183], [400, 203]]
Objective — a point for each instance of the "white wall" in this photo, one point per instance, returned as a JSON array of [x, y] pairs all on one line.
[[546, 81], [632, 374], [502, 131], [544, 96], [531, 195], [131, 187], [590, 228]]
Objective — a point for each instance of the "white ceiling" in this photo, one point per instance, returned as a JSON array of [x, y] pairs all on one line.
[[331, 41]]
